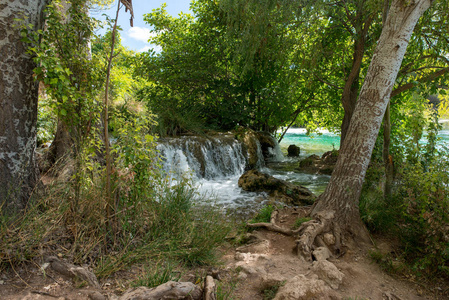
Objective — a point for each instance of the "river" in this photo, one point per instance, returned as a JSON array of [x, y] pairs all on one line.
[[215, 175]]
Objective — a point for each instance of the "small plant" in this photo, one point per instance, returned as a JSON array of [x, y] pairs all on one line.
[[299, 222], [270, 292], [225, 289], [157, 276], [264, 215]]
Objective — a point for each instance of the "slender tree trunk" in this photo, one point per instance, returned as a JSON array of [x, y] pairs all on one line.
[[109, 198], [18, 106], [343, 191], [62, 143], [388, 161], [351, 88]]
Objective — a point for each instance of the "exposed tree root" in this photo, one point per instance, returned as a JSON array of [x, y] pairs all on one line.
[[272, 225], [311, 234]]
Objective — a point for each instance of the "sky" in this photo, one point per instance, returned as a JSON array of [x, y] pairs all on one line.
[[136, 37]]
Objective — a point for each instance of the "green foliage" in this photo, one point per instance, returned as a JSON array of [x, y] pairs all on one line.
[[64, 65], [269, 293], [417, 213], [202, 79], [225, 290], [135, 156], [424, 196], [264, 215], [46, 122], [156, 276], [171, 228]]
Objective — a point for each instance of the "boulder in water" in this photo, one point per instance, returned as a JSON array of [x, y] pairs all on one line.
[[319, 165], [256, 181], [293, 151]]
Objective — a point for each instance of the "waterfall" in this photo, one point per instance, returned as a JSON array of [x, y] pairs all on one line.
[[276, 152], [209, 158]]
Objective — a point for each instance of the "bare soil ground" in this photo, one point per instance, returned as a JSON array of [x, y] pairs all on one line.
[[254, 268]]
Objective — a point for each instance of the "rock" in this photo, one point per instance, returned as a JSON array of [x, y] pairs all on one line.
[[251, 146], [242, 276], [293, 151], [210, 289], [96, 296], [248, 257], [255, 181], [321, 165], [328, 272], [329, 239], [168, 290], [72, 271], [330, 157], [302, 288], [266, 142], [257, 247], [321, 253]]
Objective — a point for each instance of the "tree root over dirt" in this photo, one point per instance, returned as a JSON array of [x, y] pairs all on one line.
[[322, 231]]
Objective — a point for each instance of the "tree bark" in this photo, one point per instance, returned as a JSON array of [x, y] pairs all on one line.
[[387, 158], [351, 89], [18, 106], [343, 191]]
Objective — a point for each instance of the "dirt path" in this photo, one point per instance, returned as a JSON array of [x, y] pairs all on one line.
[[271, 261]]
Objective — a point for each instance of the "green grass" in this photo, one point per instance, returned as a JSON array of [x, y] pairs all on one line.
[[270, 292], [157, 275], [264, 215], [172, 228]]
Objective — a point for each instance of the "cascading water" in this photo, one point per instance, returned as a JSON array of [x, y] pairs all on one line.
[[214, 164], [208, 158]]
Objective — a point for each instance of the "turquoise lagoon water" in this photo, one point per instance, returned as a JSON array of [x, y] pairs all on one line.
[[323, 141], [315, 143]]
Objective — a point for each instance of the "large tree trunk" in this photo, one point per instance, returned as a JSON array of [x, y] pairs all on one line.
[[342, 194], [18, 106]]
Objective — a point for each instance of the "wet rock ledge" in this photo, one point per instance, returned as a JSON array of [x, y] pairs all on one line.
[[256, 181]]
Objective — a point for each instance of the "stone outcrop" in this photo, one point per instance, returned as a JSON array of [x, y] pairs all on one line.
[[319, 165], [328, 272], [256, 181], [257, 145], [251, 146], [301, 287], [293, 151], [266, 142]]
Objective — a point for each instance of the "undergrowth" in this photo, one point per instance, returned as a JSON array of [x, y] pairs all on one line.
[[172, 228], [416, 213], [153, 219]]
